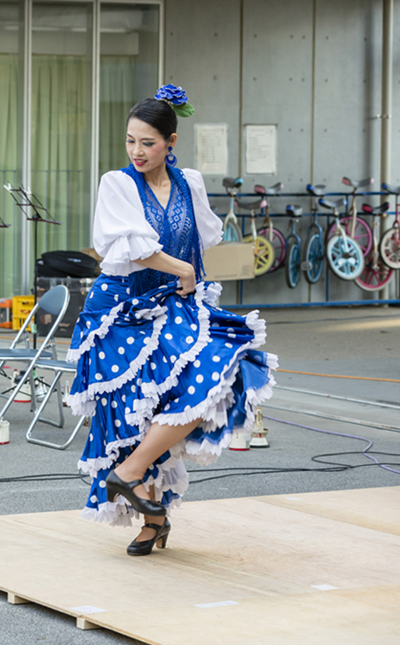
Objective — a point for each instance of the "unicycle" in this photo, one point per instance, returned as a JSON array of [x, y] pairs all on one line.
[[376, 274], [344, 254], [268, 230], [355, 227], [314, 251], [390, 241], [231, 228], [293, 248], [263, 249]]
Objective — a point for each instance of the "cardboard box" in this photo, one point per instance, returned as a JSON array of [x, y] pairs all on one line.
[[229, 261]]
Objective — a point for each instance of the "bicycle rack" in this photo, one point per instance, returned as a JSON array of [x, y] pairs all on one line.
[[327, 302]]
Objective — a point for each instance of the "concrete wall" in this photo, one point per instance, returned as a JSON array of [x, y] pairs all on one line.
[[313, 68]]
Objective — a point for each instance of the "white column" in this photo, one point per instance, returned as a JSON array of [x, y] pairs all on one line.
[[26, 271], [386, 111]]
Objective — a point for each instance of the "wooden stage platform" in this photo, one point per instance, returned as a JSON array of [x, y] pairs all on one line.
[[315, 568]]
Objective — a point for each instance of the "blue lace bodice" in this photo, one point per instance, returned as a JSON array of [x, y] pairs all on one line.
[[176, 226]]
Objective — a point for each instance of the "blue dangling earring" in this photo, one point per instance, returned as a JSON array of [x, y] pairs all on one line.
[[170, 158]]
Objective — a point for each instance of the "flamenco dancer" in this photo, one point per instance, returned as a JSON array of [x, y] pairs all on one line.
[[163, 371]]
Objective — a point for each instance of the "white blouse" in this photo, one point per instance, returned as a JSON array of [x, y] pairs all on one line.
[[121, 232]]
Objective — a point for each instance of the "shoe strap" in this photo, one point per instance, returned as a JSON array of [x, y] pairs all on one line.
[[136, 482], [156, 527]]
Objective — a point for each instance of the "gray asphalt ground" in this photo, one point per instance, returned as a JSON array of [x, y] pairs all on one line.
[[350, 341]]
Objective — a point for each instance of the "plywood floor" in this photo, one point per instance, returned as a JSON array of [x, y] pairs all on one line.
[[319, 568]]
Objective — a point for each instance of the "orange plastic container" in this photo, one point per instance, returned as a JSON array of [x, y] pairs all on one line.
[[21, 308], [6, 312]]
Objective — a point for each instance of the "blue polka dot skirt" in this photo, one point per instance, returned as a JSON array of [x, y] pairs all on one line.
[[166, 358]]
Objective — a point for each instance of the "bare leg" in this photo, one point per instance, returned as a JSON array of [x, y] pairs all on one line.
[[158, 440]]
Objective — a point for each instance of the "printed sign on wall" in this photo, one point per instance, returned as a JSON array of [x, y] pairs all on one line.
[[260, 149], [212, 148]]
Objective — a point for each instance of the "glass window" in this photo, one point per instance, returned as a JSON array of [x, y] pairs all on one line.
[[60, 168], [129, 51], [11, 128], [61, 122]]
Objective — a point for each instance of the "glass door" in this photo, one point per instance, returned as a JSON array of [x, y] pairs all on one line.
[[129, 72], [11, 129], [69, 73], [61, 121]]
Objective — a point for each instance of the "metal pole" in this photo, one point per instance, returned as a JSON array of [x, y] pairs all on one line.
[[26, 151], [386, 112], [94, 161]]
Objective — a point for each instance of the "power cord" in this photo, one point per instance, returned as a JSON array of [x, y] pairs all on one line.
[[331, 466]]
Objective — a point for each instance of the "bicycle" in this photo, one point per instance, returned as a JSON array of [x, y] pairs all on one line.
[[231, 228], [314, 251], [390, 242], [263, 249], [355, 227], [267, 229], [344, 254], [293, 248], [376, 274]]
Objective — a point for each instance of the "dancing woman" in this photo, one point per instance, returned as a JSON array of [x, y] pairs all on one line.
[[163, 371]]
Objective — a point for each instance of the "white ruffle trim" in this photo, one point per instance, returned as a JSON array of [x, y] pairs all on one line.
[[206, 453], [75, 401], [212, 293], [118, 513], [213, 410], [74, 354], [154, 390], [92, 466], [258, 326]]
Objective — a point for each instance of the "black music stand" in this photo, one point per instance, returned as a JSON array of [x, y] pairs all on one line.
[[30, 206]]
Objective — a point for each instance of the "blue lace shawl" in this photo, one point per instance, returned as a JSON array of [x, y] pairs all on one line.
[[176, 226]]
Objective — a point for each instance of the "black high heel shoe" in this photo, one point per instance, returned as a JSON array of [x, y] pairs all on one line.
[[116, 486], [160, 539]]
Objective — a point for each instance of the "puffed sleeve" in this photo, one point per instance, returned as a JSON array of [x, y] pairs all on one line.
[[208, 223], [121, 233]]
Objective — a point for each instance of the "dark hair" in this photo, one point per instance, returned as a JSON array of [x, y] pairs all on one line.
[[158, 114]]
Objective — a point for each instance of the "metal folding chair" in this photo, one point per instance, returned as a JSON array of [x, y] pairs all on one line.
[[54, 302], [60, 368]]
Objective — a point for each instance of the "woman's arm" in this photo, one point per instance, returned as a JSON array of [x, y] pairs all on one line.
[[167, 264]]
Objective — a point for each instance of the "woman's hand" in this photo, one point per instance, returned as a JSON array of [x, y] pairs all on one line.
[[183, 270], [188, 281]]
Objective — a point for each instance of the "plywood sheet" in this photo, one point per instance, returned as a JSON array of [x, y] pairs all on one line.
[[374, 508], [235, 571]]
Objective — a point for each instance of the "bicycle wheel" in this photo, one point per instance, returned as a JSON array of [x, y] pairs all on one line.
[[279, 244], [314, 253], [375, 274], [345, 257], [263, 253], [389, 247], [292, 264], [362, 232], [232, 233]]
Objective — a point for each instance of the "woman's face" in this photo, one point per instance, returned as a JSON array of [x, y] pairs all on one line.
[[145, 146]]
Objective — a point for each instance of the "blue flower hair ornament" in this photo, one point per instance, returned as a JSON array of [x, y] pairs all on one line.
[[177, 99]]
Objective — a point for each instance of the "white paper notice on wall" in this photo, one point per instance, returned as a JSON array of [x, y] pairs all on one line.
[[260, 149], [212, 148]]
